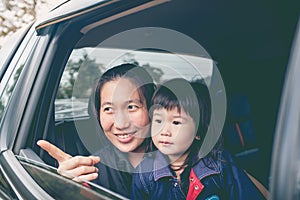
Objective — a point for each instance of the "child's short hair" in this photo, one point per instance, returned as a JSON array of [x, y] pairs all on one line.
[[191, 97]]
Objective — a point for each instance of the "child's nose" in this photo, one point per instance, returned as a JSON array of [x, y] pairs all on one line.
[[166, 131]]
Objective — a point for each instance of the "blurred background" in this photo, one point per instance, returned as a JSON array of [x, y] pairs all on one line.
[[15, 14]]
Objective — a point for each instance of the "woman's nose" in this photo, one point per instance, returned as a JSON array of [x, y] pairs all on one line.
[[121, 120]]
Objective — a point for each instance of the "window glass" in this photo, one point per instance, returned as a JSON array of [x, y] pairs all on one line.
[[56, 185], [10, 44], [81, 70], [12, 74], [86, 65], [6, 191]]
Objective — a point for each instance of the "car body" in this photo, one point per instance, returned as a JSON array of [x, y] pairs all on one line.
[[253, 46]]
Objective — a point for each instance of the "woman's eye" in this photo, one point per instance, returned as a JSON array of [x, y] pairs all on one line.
[[107, 110], [133, 107]]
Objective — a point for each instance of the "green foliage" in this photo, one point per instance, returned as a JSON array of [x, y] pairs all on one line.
[[79, 78], [155, 72]]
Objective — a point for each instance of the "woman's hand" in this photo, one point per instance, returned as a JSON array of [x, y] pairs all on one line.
[[77, 168]]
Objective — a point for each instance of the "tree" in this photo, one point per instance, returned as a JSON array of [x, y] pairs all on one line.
[[155, 72], [84, 71], [89, 73]]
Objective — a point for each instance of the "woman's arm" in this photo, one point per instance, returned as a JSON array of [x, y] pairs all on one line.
[[77, 168]]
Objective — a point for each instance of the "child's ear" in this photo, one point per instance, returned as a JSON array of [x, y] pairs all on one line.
[[197, 137]]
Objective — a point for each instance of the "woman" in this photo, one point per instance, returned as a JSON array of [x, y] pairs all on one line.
[[120, 104]]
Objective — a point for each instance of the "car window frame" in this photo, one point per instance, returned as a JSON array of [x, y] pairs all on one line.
[[23, 125], [24, 186], [38, 108], [36, 70], [9, 121], [11, 46], [56, 32], [284, 182], [42, 172]]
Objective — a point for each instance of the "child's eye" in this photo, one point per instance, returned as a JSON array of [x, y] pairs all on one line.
[[177, 122], [158, 121]]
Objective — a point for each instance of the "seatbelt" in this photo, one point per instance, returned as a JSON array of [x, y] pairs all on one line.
[[259, 186]]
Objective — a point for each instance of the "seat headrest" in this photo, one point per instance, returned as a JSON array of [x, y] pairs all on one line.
[[238, 107]]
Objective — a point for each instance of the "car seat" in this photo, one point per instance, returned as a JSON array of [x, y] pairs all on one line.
[[239, 135]]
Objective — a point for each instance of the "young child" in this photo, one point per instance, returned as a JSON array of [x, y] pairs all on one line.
[[181, 113]]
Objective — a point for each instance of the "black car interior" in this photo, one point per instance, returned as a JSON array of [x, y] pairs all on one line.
[[240, 137]]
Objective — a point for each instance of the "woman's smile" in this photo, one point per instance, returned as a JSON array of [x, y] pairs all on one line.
[[125, 137]]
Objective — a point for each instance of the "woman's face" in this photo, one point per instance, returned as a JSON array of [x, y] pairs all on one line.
[[123, 115]]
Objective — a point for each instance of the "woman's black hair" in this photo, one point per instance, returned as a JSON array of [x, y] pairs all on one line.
[[192, 98], [138, 75]]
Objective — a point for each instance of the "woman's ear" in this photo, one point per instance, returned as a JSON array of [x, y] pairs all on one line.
[[197, 137]]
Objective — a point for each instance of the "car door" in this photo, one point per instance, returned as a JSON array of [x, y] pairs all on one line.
[[29, 80]]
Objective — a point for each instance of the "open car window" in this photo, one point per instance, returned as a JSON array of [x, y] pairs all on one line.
[[86, 65]]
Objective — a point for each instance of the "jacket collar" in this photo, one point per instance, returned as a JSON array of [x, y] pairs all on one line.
[[161, 167]]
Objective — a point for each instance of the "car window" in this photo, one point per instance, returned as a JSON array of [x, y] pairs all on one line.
[[12, 74], [11, 43], [86, 65], [81, 70]]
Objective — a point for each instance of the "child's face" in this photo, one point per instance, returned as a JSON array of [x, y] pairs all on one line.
[[172, 132]]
